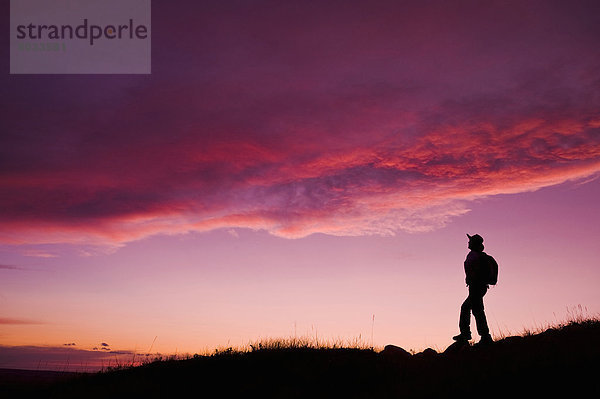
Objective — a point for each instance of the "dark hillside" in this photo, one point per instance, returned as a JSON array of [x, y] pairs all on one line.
[[558, 361]]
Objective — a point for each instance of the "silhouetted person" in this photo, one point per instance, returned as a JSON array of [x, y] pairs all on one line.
[[476, 271]]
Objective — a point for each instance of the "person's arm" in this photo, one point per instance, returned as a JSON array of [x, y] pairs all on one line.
[[468, 270]]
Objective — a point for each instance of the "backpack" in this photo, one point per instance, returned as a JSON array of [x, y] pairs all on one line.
[[492, 278]]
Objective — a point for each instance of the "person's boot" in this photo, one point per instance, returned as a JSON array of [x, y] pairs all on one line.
[[462, 337], [485, 340]]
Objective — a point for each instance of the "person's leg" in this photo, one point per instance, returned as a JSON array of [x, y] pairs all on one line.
[[464, 321], [476, 294]]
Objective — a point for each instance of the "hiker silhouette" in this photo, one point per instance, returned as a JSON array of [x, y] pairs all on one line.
[[477, 276]]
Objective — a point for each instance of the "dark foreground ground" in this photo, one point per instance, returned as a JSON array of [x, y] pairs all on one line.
[[560, 361]]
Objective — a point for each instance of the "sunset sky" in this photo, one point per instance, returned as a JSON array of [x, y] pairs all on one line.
[[302, 168]]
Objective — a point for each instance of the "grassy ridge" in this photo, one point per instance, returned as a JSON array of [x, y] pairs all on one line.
[[561, 360]]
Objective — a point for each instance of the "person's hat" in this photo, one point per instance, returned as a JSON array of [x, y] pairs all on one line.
[[475, 238]]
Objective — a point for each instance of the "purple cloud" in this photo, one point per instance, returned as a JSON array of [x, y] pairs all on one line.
[[60, 358], [334, 117]]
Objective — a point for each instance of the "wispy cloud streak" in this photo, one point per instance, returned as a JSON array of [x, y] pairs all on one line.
[[9, 267], [14, 321]]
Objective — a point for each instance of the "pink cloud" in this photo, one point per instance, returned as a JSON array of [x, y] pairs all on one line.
[[371, 190]]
